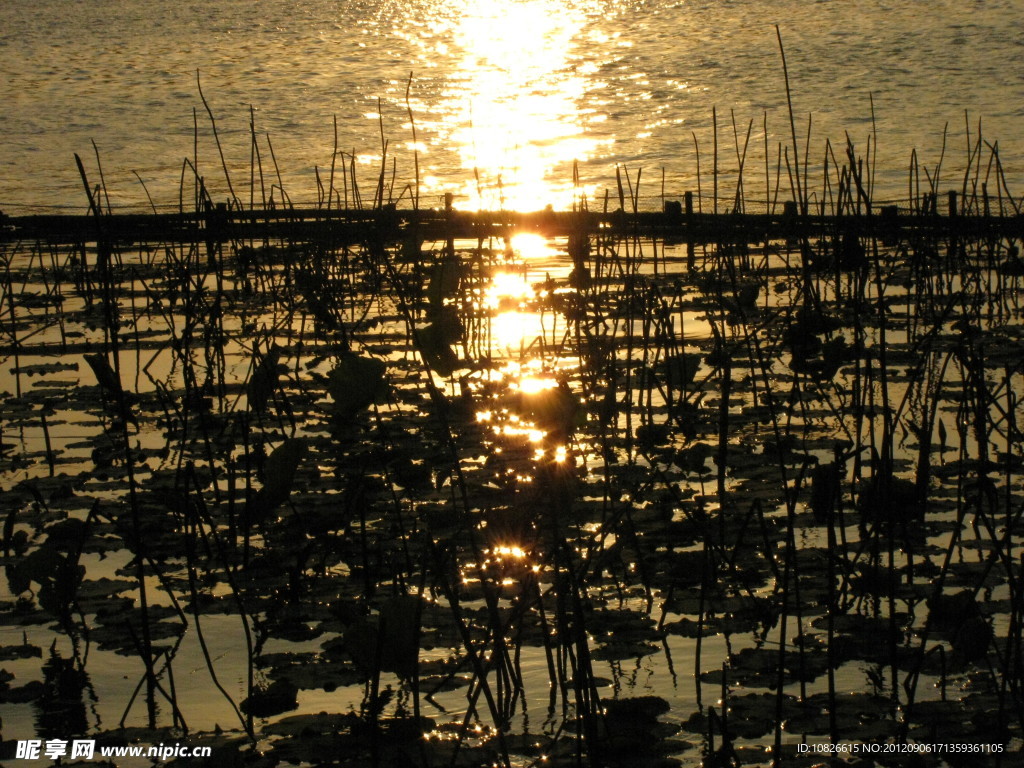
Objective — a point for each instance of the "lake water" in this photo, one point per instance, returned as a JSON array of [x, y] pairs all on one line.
[[505, 94], [626, 468], [657, 421]]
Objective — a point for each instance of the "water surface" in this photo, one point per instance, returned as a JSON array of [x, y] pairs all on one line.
[[506, 94]]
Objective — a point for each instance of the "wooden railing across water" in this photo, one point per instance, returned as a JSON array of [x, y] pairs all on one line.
[[390, 224]]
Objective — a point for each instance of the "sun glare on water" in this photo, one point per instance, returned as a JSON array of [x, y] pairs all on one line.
[[531, 385], [513, 110], [530, 246], [508, 288]]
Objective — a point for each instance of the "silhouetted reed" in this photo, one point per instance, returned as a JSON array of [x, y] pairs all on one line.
[[783, 439]]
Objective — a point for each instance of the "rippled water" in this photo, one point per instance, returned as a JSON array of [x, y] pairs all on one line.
[[568, 407], [505, 93]]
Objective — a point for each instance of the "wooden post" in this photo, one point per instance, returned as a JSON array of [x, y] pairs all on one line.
[[952, 203], [448, 208]]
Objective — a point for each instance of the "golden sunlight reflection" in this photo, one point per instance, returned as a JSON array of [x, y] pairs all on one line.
[[531, 385], [512, 107], [508, 288], [515, 330], [530, 246], [528, 405], [510, 295], [517, 428], [509, 551], [511, 558], [560, 454]]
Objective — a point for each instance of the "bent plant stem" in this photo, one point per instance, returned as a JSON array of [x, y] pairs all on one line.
[[111, 326], [229, 575], [192, 531], [480, 668], [216, 138], [441, 407]]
